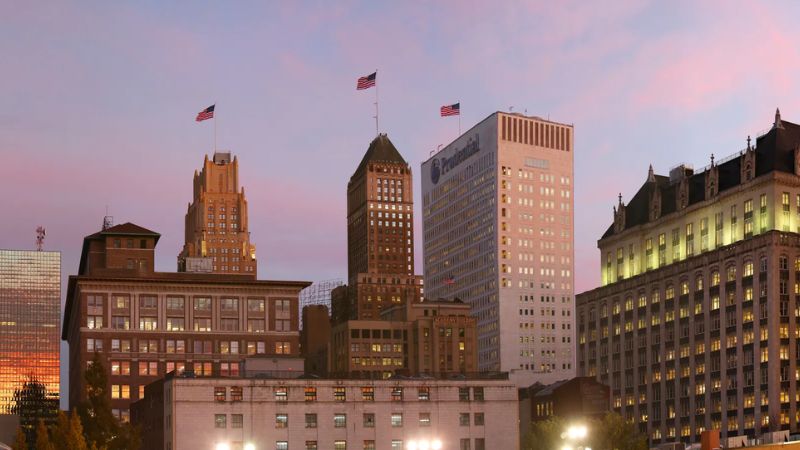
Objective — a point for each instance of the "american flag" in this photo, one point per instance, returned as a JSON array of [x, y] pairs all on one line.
[[451, 280], [451, 110], [366, 82], [205, 114]]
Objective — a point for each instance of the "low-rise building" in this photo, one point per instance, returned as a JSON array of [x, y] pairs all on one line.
[[269, 412]]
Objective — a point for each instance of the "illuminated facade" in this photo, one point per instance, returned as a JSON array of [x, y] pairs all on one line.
[[497, 217], [30, 313], [145, 323], [217, 231], [696, 324]]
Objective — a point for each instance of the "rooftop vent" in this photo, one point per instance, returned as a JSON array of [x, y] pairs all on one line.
[[680, 172]]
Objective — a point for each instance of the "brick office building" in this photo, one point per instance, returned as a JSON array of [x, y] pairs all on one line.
[[145, 323], [696, 323]]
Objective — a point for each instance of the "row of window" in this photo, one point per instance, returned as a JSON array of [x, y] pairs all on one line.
[[281, 393], [340, 420], [226, 304], [179, 346], [149, 323]]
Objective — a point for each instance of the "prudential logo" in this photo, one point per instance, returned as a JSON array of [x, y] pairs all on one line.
[[441, 166]]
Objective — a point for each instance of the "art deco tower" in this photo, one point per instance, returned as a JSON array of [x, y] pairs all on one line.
[[217, 234], [380, 233]]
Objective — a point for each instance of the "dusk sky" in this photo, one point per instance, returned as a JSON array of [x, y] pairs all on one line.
[[99, 100]]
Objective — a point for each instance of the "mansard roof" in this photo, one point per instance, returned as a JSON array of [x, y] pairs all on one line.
[[774, 151]]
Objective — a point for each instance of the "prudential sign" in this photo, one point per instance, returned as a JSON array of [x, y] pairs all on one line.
[[443, 165]]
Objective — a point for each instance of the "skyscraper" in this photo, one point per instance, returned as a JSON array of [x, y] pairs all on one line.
[[30, 312], [380, 233], [497, 218], [217, 233]]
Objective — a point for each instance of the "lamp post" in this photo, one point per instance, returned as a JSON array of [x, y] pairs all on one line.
[[574, 436]]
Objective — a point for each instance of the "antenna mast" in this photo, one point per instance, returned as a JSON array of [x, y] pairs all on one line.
[[40, 233]]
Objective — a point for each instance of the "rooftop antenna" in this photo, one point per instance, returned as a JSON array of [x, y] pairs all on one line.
[[40, 233], [108, 221]]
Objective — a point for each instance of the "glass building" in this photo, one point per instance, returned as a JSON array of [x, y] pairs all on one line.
[[30, 306]]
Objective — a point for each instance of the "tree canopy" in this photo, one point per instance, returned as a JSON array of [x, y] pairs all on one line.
[[611, 432]]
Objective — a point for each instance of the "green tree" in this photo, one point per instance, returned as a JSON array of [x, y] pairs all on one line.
[[100, 427], [20, 443], [33, 403], [43, 437], [613, 432], [545, 434]]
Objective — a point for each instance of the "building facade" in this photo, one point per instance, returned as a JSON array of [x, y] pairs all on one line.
[[144, 323], [497, 217], [380, 234], [431, 337], [30, 313], [190, 413], [315, 339], [318, 293], [217, 232], [695, 326]]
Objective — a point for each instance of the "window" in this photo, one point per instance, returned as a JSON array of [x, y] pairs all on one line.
[[202, 324], [397, 419], [229, 369], [368, 394], [369, 420], [176, 323], [121, 345], [477, 394], [229, 305], [93, 345], [479, 419], [148, 301], [281, 445], [237, 393], [339, 394], [175, 303], [148, 368], [312, 445], [121, 302], [237, 420], [202, 347], [229, 324], [397, 444], [464, 444], [283, 348], [369, 445], [256, 326], [122, 391], [120, 322], [397, 394], [339, 420], [424, 419], [220, 421], [424, 394], [148, 323], [254, 348], [463, 394], [229, 347], [120, 368], [310, 394], [281, 394], [219, 393], [339, 445], [202, 304], [311, 421], [255, 305], [281, 421], [94, 322], [480, 444], [463, 419]]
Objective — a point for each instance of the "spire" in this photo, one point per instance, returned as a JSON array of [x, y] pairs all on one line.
[[651, 177], [778, 123], [620, 199], [712, 160], [748, 142]]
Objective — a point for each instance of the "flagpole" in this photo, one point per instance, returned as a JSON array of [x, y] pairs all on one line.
[[459, 118], [377, 129], [215, 126]]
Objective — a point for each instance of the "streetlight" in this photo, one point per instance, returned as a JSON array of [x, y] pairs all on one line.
[[424, 444], [223, 446], [249, 446], [573, 436]]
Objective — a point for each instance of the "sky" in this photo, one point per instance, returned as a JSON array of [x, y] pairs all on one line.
[[99, 100]]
